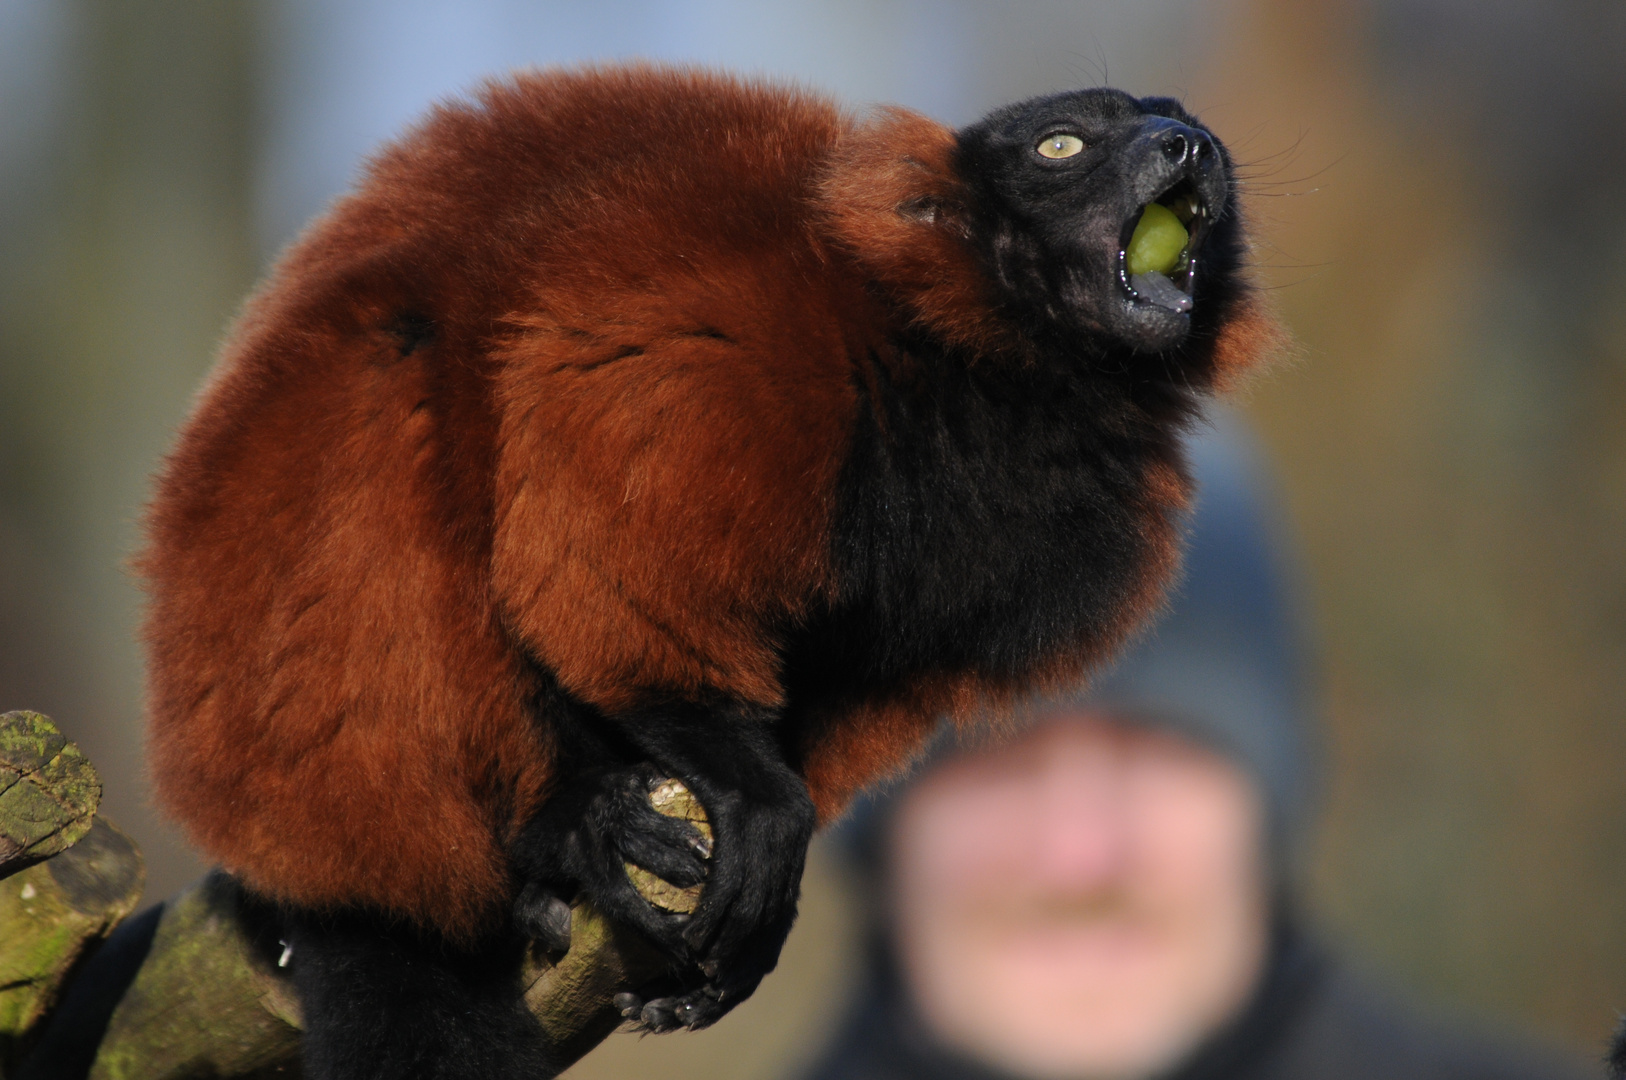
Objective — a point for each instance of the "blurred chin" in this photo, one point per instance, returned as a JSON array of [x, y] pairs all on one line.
[[1100, 1003], [1112, 1001]]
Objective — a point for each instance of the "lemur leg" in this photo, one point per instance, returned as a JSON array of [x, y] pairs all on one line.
[[380, 1002], [600, 818]]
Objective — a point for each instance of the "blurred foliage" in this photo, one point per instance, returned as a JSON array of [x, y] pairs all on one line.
[[1455, 462], [122, 253]]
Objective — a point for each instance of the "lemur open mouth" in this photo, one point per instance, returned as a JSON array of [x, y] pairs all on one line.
[[1157, 258]]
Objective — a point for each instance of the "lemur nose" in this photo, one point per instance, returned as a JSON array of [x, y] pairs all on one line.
[[1183, 145]]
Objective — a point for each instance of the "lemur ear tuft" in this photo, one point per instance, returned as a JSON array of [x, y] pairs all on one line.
[[892, 198], [924, 209]]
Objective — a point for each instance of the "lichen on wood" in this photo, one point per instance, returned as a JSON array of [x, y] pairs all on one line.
[[208, 1001], [204, 1002], [51, 912], [48, 791], [67, 877]]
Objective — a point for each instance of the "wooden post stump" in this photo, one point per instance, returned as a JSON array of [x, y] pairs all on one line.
[[206, 996]]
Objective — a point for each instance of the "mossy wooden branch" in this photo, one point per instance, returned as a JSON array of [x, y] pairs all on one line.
[[209, 998], [52, 911], [48, 791]]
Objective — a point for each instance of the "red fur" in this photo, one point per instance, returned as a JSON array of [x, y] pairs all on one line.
[[893, 201], [1250, 337], [876, 738], [617, 454]]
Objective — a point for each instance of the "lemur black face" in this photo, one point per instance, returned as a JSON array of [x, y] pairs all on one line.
[[1061, 185]]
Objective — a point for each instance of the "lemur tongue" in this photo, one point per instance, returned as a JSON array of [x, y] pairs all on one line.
[[1155, 288]]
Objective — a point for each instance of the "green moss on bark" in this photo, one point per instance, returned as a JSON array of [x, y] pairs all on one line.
[[51, 912], [48, 791]]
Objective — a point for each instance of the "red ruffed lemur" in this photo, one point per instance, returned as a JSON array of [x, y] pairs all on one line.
[[637, 422]]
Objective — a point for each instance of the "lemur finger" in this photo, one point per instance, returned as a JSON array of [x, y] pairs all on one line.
[[543, 916], [680, 866]]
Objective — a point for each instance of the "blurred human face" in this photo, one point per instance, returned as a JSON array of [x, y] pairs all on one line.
[[1086, 902]]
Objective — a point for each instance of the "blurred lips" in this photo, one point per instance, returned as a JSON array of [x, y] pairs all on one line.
[[1109, 928]]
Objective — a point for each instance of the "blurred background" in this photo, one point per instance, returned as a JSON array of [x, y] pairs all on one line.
[[1436, 191]]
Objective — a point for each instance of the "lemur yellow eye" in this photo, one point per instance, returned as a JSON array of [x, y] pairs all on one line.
[[1060, 146]]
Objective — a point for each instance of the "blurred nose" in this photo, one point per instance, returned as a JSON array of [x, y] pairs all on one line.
[[1182, 145], [1083, 841]]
